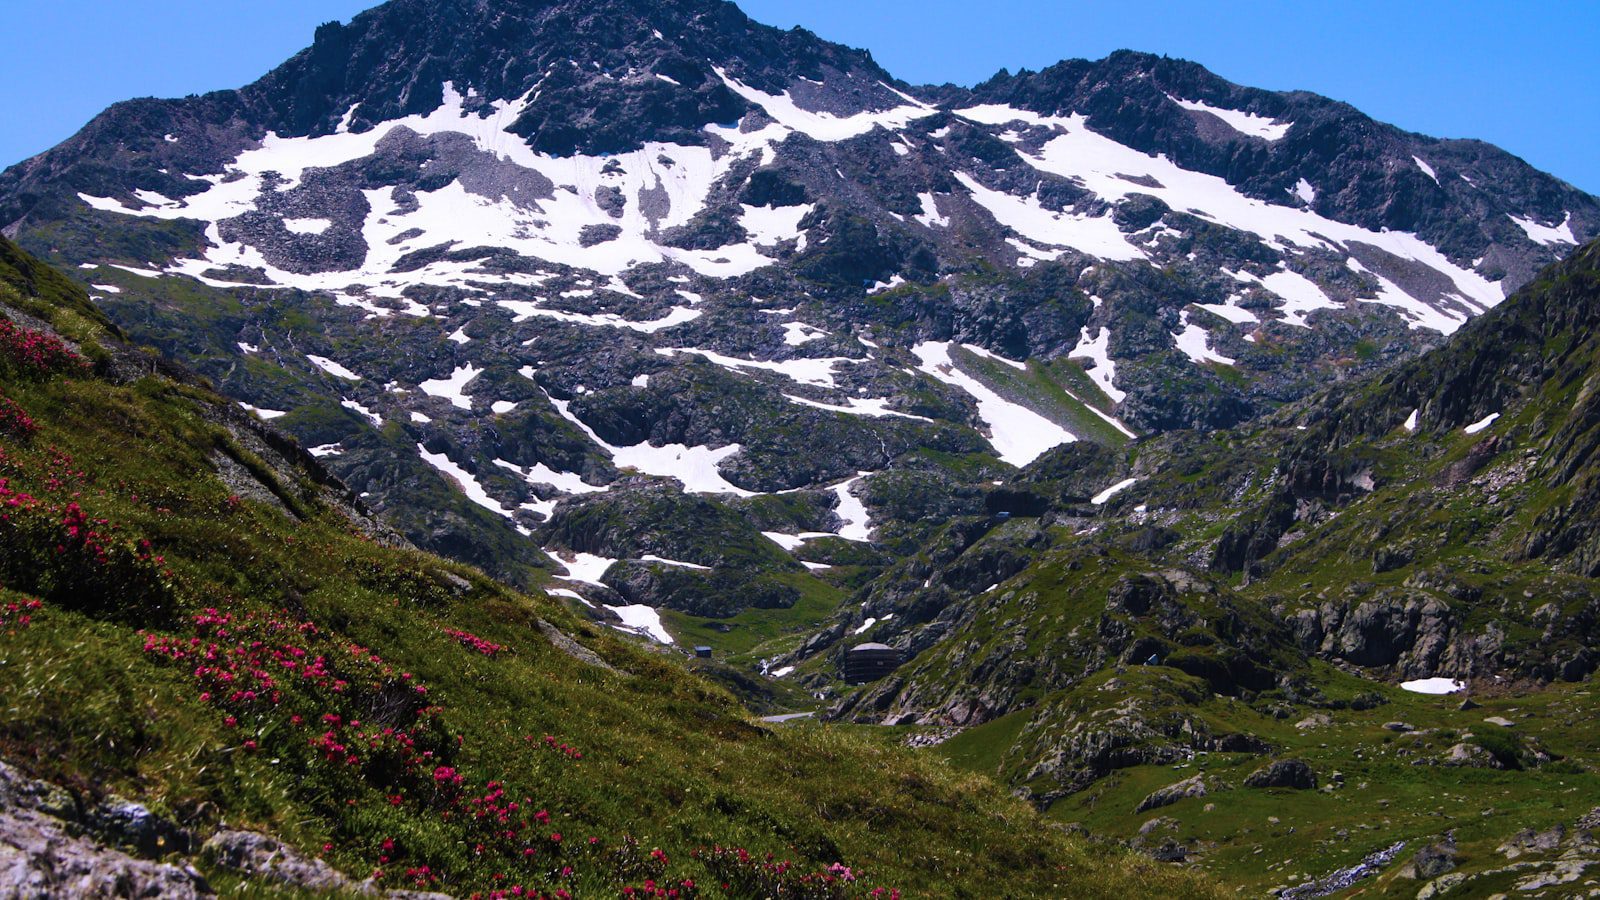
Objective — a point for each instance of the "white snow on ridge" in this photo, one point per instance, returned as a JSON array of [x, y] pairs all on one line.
[[825, 126], [1097, 350], [307, 226], [1101, 498], [1228, 311], [464, 479], [644, 620], [1426, 169], [332, 368], [1242, 122], [852, 512], [792, 542], [453, 388], [768, 226], [875, 407], [585, 567], [565, 482], [547, 228], [696, 467], [797, 333], [1103, 166], [1548, 234], [369, 415], [1305, 191], [651, 557], [1433, 686], [525, 310], [930, 216], [1411, 421], [1481, 424], [1195, 342], [818, 372], [1018, 434], [1417, 315], [264, 413], [1095, 235]]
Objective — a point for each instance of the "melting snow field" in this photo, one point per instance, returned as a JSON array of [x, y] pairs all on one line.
[[1104, 496], [1548, 234], [585, 567], [469, 485], [696, 467], [1195, 342], [852, 512], [644, 620], [1242, 122], [1103, 166], [454, 387], [1481, 424], [1019, 435], [1433, 686], [333, 368], [1104, 372]]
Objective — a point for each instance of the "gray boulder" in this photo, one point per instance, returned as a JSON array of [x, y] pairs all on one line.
[[1284, 773]]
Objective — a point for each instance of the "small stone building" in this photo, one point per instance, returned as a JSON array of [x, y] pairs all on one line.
[[869, 662]]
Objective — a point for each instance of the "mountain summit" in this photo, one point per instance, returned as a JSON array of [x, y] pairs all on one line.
[[509, 266]]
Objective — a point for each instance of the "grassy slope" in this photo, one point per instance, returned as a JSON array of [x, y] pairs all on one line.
[[667, 758], [1469, 535]]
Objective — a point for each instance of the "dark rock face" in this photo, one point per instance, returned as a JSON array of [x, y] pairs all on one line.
[[1283, 773]]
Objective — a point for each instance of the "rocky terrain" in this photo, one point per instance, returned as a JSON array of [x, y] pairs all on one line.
[[485, 258], [1219, 461]]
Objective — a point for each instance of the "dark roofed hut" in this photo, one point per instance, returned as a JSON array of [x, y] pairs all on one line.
[[869, 662]]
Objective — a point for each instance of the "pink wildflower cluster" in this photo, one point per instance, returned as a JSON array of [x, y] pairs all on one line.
[[473, 642], [558, 746], [34, 353], [18, 613], [14, 420], [55, 548], [745, 874]]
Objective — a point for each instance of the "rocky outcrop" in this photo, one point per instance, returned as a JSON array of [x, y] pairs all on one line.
[[44, 852], [1186, 789], [1294, 774]]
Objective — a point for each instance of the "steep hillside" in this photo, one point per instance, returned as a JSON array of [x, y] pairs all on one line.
[[206, 637], [1180, 604], [496, 260]]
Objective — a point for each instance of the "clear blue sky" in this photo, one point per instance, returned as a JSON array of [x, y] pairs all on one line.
[[1523, 75]]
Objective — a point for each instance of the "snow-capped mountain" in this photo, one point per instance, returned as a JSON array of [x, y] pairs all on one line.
[[488, 258]]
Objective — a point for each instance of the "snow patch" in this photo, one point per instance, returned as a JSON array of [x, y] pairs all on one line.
[[1481, 424], [644, 620], [463, 479], [1097, 350], [369, 415], [852, 512], [307, 226], [1242, 122], [1547, 234], [696, 467], [454, 387], [1433, 686], [333, 368], [1018, 434], [1195, 342], [1101, 498]]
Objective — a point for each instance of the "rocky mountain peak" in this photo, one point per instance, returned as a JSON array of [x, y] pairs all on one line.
[[589, 77]]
